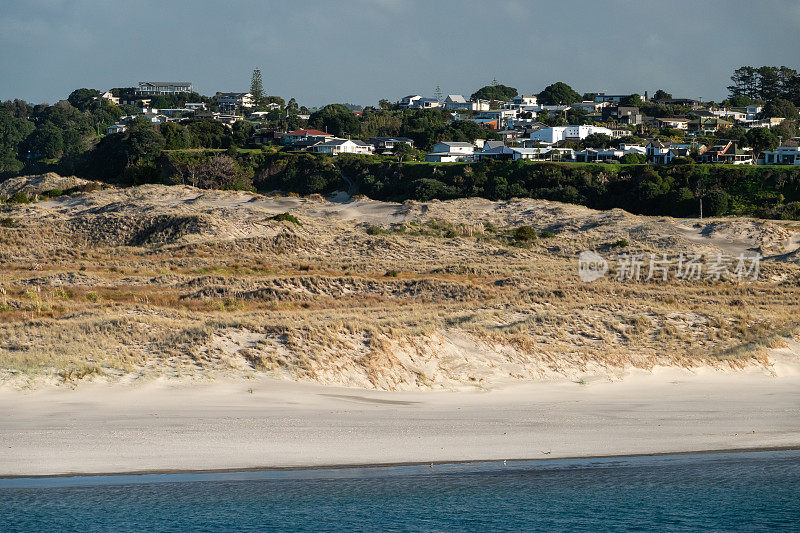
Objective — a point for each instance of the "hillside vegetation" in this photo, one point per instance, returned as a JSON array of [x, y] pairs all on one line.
[[133, 283]]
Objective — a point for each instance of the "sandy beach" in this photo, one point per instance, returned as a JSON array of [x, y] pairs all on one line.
[[98, 428], [170, 328]]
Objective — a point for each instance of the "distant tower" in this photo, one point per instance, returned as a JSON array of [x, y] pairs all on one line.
[[437, 93]]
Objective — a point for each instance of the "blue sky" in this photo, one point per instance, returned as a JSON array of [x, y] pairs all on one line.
[[358, 51]]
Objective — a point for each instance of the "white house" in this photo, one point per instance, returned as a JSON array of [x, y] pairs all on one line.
[[449, 152], [765, 122], [753, 111], [163, 87], [494, 150], [731, 114], [617, 98], [556, 134], [662, 153], [543, 154], [591, 106], [522, 100], [610, 154], [425, 103], [229, 101], [678, 123], [116, 128], [456, 102], [343, 146], [410, 100], [258, 115], [388, 144], [108, 95], [196, 106], [783, 155]]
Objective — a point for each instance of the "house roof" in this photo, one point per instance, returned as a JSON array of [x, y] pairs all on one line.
[[308, 133], [456, 99], [488, 145], [339, 142], [443, 154], [456, 144], [165, 83], [305, 143], [398, 139]]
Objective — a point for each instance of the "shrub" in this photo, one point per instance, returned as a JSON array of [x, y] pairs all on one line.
[[524, 234], [633, 159], [791, 211], [546, 234], [19, 198], [376, 230], [392, 273], [716, 203], [7, 222], [52, 193], [622, 243], [286, 217]]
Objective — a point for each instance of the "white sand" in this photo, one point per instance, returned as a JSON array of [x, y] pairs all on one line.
[[220, 425]]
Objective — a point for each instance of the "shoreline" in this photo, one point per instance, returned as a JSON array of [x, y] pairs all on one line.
[[265, 424], [795, 447]]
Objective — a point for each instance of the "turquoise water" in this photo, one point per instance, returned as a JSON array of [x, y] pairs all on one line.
[[713, 492]]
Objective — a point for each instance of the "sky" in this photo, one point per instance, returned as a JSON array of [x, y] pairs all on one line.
[[359, 51]]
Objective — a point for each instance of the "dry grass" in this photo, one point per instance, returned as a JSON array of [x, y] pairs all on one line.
[[232, 292]]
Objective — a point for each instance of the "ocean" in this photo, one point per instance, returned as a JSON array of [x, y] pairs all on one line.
[[756, 491]]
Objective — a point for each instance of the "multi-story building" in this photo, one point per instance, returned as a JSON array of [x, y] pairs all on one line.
[[556, 134], [234, 101], [163, 87], [783, 155]]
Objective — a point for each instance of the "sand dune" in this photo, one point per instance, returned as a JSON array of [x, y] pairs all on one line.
[[180, 283]]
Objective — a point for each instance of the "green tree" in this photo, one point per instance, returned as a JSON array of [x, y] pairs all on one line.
[[209, 133], [662, 95], [257, 87], [13, 132], [242, 130], [495, 92], [46, 141], [633, 159], [716, 203], [761, 139], [292, 108], [780, 108], [740, 100], [559, 93], [143, 144], [336, 119], [633, 100], [597, 140], [403, 152], [745, 83], [82, 98], [176, 137]]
